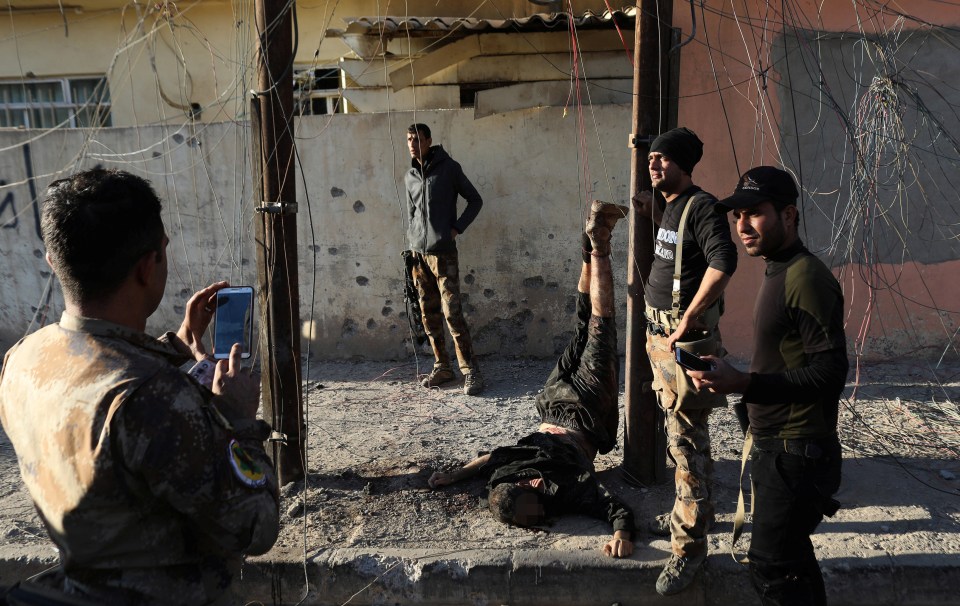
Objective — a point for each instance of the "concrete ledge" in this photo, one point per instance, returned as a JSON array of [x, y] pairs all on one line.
[[457, 578], [538, 577]]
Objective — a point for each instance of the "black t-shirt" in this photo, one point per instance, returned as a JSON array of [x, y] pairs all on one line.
[[706, 243], [799, 349]]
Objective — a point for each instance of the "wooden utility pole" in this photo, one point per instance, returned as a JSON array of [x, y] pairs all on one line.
[[276, 236], [644, 442]]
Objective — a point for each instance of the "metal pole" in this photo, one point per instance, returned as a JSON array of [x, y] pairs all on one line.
[[276, 236], [644, 442]]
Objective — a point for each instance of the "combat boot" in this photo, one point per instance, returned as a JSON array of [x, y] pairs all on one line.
[[679, 573], [603, 217], [438, 376], [473, 383]]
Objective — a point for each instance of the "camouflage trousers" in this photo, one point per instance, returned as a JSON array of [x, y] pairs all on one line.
[[437, 278], [688, 446]]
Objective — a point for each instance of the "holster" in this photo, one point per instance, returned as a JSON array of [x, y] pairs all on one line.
[[688, 396]]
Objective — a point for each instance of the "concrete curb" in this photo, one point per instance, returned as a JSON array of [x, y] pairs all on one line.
[[422, 576], [543, 577], [561, 578]]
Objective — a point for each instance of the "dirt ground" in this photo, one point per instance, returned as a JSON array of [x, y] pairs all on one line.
[[375, 436]]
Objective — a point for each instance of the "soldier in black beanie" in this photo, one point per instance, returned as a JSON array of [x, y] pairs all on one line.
[[684, 313], [681, 145]]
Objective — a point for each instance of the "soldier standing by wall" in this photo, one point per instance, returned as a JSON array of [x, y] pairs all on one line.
[[433, 183], [693, 261]]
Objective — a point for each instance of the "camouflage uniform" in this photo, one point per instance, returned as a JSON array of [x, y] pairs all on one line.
[[688, 446], [433, 189], [437, 278], [706, 245], [151, 495]]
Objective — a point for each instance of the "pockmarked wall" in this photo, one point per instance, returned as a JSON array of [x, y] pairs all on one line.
[[201, 176], [519, 261]]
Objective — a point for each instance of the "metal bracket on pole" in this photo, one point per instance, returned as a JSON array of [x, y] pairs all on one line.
[[276, 436], [277, 208], [634, 140]]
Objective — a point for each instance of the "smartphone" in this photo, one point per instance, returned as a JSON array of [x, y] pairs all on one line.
[[233, 321], [691, 361]]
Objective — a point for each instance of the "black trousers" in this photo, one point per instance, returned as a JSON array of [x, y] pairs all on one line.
[[583, 390], [792, 492]]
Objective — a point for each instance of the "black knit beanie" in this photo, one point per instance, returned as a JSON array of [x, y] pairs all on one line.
[[681, 145]]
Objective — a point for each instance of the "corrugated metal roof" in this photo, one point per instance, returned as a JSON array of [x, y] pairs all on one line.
[[427, 26]]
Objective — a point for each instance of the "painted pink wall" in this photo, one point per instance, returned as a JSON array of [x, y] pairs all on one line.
[[884, 324]]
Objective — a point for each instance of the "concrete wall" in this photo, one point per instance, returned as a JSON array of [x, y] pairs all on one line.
[[740, 82], [520, 259], [207, 210]]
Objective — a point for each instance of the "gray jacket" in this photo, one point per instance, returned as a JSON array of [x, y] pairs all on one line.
[[432, 202]]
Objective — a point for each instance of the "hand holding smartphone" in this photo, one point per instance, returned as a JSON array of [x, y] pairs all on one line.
[[691, 361], [233, 321]]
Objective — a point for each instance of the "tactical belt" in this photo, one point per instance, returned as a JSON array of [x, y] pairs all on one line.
[[811, 448], [660, 322]]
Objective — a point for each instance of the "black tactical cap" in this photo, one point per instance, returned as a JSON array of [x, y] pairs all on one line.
[[762, 184]]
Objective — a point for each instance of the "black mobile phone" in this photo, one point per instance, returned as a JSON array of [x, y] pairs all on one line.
[[691, 361], [233, 321]]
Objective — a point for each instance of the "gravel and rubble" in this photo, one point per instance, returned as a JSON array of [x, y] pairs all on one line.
[[365, 512]]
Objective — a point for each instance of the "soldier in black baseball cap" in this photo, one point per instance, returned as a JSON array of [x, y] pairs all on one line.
[[764, 231], [762, 184], [791, 392]]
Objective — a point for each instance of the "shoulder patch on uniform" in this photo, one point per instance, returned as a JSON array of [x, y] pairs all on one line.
[[244, 467]]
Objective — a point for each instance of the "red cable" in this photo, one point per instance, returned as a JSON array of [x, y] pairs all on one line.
[[620, 33]]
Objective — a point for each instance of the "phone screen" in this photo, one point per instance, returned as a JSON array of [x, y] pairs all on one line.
[[691, 361], [233, 321]]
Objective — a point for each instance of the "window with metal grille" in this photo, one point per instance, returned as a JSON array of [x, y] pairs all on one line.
[[316, 91], [52, 102]]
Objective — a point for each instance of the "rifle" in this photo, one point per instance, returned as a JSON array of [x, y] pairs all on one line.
[[411, 299]]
